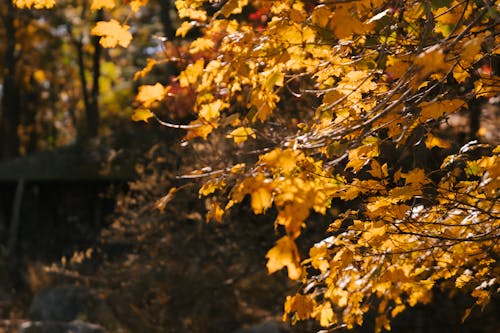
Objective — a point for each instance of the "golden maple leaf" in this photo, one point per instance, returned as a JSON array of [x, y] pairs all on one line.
[[113, 33]]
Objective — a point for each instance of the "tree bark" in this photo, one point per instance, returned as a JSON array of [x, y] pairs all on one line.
[[168, 29], [93, 109], [10, 111]]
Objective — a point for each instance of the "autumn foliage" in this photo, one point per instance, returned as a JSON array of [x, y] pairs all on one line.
[[341, 108]]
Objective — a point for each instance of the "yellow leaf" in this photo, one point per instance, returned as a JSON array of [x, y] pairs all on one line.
[[360, 156], [482, 296], [37, 4], [397, 310], [292, 216], [184, 29], [261, 199], [319, 257], [291, 34], [374, 232], [434, 141], [201, 44], [344, 23], [435, 110], [112, 33], [149, 94], [326, 315], [142, 114], [416, 177], [274, 78], [430, 61], [397, 66], [463, 279], [285, 254], [145, 71], [377, 170], [321, 16], [211, 111], [471, 50], [100, 4], [215, 212], [190, 9], [280, 159], [211, 186], [233, 7], [241, 134], [135, 5], [301, 305], [238, 168], [201, 130], [191, 74]]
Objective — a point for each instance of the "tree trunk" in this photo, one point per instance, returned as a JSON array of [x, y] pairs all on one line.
[[10, 111], [168, 29], [93, 109]]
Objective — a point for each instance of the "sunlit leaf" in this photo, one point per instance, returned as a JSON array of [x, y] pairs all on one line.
[[112, 33], [284, 254], [101, 4], [241, 134], [142, 115]]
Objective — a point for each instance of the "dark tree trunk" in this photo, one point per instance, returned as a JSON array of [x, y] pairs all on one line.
[[93, 109], [168, 29], [90, 94], [10, 111]]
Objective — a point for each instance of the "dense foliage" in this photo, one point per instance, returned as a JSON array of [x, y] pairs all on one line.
[[344, 109]]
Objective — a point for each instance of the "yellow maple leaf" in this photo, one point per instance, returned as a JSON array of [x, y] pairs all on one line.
[[285, 160], [201, 129], [321, 16], [101, 4], [415, 177], [190, 9], [183, 29], [142, 114], [211, 111], [430, 61], [145, 71], [434, 141], [135, 5], [284, 254], [201, 44], [149, 94], [435, 110], [291, 34], [293, 215], [360, 156], [215, 212], [374, 232], [377, 170], [113, 33], [325, 315], [37, 4], [241, 134], [261, 199], [299, 304], [233, 7], [191, 74], [211, 186]]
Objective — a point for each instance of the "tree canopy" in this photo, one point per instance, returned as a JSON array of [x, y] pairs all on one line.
[[343, 109]]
